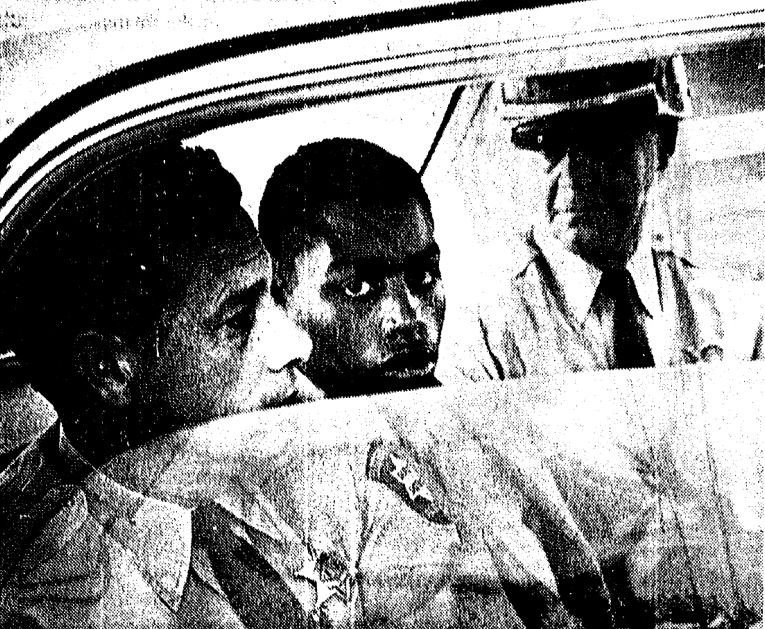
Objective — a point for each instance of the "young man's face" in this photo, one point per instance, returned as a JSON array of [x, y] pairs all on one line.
[[604, 187], [371, 297], [227, 347]]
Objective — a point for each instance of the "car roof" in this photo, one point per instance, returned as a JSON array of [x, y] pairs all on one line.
[[51, 48]]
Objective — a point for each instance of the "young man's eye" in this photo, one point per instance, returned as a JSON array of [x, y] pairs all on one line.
[[423, 279], [357, 288]]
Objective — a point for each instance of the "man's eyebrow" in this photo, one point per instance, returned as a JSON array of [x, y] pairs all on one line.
[[429, 253], [243, 296]]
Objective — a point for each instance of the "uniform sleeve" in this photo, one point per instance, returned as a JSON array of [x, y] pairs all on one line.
[[442, 554]]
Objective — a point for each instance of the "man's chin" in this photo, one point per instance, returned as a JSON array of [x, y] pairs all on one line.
[[603, 252]]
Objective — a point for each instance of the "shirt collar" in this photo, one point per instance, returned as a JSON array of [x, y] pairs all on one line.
[[577, 280], [643, 270], [156, 533]]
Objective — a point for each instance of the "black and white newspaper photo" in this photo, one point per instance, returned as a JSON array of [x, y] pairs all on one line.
[[397, 314]]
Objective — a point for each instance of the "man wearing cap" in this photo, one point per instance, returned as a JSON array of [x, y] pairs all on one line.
[[589, 291], [141, 304]]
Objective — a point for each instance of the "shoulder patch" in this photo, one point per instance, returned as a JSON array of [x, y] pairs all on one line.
[[58, 517], [397, 468]]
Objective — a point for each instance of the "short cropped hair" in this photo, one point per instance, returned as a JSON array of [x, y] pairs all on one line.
[[351, 175], [108, 256]]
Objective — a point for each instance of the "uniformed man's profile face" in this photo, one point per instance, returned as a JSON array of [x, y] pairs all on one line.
[[606, 177], [226, 347], [371, 297]]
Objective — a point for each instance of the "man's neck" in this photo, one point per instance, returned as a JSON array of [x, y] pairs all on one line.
[[100, 436]]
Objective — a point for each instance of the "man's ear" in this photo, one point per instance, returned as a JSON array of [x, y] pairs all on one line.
[[106, 365]]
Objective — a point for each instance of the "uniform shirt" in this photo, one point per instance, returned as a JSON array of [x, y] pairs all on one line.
[[544, 315], [262, 523], [114, 557], [350, 520], [589, 312]]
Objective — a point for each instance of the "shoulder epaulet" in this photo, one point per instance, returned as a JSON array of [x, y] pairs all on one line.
[[23, 481], [398, 469], [7, 457], [54, 553]]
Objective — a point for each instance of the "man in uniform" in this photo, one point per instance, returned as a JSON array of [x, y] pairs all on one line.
[[351, 233], [119, 516], [589, 291], [141, 306]]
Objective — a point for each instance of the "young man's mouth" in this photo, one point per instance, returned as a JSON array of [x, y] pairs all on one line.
[[409, 364]]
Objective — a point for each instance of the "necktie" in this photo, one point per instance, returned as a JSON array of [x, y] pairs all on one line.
[[631, 348]]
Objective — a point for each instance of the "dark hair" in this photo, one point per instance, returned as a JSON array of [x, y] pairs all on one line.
[[108, 256], [349, 175]]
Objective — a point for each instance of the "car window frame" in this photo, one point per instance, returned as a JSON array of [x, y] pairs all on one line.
[[72, 138]]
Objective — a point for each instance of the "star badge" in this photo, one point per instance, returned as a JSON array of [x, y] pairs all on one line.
[[410, 479], [329, 576]]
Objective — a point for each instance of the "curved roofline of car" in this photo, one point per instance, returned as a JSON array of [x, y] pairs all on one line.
[[186, 59]]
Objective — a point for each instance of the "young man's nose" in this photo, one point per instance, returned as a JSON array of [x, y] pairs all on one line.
[[399, 307], [283, 342]]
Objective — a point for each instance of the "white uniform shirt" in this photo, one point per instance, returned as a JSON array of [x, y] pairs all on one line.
[[591, 313]]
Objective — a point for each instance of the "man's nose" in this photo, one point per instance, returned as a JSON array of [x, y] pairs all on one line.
[[284, 343], [399, 306], [587, 168], [561, 187]]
